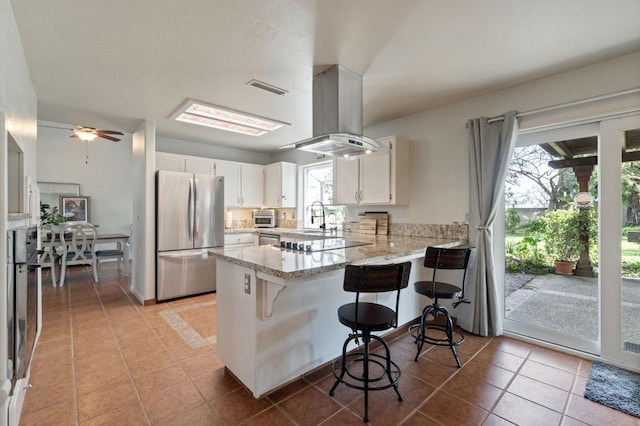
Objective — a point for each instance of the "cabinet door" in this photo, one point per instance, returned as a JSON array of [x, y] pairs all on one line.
[[273, 185], [289, 176], [200, 167], [252, 186], [243, 239], [231, 173], [346, 185], [375, 179], [169, 162], [280, 185]]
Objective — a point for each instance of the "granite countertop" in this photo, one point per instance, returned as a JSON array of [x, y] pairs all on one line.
[[18, 216], [289, 264]]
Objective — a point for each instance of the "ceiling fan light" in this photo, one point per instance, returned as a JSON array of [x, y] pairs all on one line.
[[85, 136]]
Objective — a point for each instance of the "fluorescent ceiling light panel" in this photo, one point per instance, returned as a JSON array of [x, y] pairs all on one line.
[[217, 124], [204, 114]]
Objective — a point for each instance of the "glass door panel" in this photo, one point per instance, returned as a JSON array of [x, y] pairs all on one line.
[[630, 241], [620, 273], [551, 205]]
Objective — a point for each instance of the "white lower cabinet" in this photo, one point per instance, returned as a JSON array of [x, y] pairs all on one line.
[[240, 239], [380, 178]]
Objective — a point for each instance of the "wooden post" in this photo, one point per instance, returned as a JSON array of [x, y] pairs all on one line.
[[584, 268]]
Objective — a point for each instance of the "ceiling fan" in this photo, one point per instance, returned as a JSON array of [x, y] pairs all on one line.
[[88, 134]]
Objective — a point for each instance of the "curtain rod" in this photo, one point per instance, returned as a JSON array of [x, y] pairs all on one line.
[[568, 104]]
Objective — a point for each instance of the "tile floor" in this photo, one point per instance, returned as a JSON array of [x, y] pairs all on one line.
[[103, 359]]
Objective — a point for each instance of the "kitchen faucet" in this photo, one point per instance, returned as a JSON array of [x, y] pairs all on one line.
[[333, 228], [313, 215]]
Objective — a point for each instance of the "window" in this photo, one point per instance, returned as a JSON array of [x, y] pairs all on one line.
[[318, 187]]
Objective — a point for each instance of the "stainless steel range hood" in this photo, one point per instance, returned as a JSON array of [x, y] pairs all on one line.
[[337, 115]]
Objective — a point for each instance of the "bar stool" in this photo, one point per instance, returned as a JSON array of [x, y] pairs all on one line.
[[363, 318], [439, 259]]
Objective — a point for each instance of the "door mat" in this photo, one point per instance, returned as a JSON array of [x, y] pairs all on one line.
[[614, 387], [632, 347]]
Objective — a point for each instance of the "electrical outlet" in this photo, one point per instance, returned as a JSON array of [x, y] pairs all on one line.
[[247, 283]]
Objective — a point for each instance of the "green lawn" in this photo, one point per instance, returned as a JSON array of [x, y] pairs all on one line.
[[630, 249]]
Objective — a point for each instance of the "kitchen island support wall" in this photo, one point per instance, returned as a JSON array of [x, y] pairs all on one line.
[[302, 332]]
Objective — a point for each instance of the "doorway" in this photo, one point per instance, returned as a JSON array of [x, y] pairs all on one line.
[[588, 178]]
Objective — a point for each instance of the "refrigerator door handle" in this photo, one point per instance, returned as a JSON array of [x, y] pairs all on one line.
[[190, 213], [203, 254], [196, 215]]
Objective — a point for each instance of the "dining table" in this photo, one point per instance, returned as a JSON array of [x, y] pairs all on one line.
[[52, 242]]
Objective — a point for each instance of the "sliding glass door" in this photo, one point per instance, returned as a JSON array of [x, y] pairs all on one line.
[[574, 192]]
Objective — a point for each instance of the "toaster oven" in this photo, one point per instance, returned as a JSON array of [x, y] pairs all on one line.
[[264, 218]]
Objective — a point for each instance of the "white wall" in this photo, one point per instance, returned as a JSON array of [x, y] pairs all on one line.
[[106, 176], [177, 146], [439, 148]]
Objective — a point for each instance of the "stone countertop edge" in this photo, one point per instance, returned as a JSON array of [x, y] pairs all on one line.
[[351, 256], [18, 216]]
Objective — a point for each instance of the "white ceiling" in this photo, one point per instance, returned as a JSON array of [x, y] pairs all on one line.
[[111, 63]]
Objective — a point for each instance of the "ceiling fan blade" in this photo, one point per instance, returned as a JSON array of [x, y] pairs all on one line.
[[111, 138], [110, 132]]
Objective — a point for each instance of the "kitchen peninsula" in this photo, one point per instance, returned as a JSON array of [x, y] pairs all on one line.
[[277, 307]]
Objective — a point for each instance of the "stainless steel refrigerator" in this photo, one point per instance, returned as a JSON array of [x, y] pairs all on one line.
[[189, 221]]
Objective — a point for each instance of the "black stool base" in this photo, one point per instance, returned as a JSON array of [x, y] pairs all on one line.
[[419, 331], [343, 370]]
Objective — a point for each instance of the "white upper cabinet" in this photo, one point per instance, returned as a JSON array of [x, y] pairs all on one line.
[[252, 185], [199, 166], [380, 178], [243, 183], [280, 184], [184, 163], [169, 162]]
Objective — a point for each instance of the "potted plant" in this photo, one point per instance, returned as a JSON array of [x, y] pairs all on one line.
[[51, 216], [561, 238]]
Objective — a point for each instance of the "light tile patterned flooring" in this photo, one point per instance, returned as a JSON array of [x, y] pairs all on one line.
[[103, 359]]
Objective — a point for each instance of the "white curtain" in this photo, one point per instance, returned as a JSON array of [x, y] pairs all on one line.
[[490, 151]]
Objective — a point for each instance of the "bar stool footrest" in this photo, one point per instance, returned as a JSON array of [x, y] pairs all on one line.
[[352, 379], [414, 331]]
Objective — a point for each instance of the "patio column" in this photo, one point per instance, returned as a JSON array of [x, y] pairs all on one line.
[[584, 268]]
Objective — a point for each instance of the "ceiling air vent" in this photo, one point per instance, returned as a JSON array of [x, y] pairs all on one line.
[[269, 88]]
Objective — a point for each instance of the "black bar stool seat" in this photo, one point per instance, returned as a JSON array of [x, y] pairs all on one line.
[[361, 369], [372, 316]]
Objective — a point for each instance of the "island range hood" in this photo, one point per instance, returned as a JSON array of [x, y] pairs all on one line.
[[337, 116]]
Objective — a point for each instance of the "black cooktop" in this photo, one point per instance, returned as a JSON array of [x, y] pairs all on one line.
[[320, 245]]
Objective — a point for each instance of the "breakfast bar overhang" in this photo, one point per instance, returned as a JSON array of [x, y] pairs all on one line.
[[276, 308]]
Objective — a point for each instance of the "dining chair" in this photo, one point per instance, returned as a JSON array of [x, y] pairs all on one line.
[[78, 244], [117, 253], [49, 257]]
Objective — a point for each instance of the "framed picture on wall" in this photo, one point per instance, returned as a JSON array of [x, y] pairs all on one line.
[[75, 208]]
